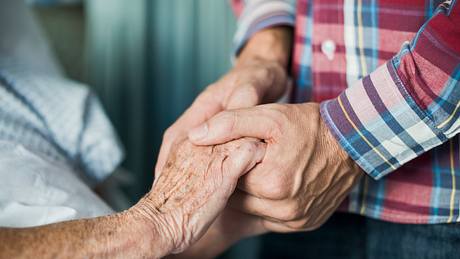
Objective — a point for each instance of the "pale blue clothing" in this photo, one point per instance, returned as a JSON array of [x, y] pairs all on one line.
[[59, 119], [55, 140]]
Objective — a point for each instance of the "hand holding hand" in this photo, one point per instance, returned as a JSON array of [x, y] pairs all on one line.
[[245, 85], [194, 188], [192, 191], [304, 175], [259, 76]]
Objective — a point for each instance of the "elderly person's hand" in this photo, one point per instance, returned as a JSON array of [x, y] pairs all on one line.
[[183, 203], [259, 76], [194, 188], [304, 175]]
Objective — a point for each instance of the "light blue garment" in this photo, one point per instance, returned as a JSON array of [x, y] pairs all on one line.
[[55, 139], [59, 119], [42, 110]]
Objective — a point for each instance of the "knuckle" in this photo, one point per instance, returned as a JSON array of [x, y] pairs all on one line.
[[248, 147], [168, 135], [279, 119]]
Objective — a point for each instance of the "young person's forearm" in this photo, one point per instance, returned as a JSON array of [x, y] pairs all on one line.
[[122, 235], [273, 44]]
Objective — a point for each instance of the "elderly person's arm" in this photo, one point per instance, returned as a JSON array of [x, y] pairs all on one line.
[[194, 187]]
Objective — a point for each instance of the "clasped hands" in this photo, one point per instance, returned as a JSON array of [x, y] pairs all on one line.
[[304, 174]]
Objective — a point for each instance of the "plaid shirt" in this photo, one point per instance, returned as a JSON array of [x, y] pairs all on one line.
[[387, 76]]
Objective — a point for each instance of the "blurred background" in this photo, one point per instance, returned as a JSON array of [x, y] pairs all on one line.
[[147, 61]]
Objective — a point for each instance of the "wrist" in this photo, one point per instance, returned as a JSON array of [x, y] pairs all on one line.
[[331, 143], [151, 230], [271, 44]]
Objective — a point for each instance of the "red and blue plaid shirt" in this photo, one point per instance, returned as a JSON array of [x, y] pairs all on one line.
[[387, 75]]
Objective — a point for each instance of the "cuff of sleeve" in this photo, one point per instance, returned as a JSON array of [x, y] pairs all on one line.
[[378, 123], [260, 15]]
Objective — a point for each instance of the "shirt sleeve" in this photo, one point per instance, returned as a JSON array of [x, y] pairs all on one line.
[[408, 105], [255, 15]]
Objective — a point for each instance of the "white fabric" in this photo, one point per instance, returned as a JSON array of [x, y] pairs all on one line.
[[44, 111], [53, 132], [35, 191]]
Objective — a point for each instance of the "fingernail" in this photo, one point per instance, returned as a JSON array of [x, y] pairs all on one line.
[[198, 133]]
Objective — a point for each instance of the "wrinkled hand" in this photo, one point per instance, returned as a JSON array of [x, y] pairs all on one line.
[[304, 175], [194, 188], [246, 85]]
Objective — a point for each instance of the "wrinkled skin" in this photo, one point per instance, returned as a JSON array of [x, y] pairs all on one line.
[[256, 78], [195, 185], [183, 203], [305, 174]]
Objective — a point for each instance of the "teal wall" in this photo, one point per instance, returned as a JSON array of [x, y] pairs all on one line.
[[148, 60]]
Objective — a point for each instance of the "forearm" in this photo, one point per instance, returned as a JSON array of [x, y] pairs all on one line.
[[394, 113], [123, 235], [271, 44]]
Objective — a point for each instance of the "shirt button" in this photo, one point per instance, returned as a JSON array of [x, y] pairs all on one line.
[[328, 49]]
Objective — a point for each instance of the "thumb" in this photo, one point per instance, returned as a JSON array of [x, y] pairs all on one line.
[[243, 97]]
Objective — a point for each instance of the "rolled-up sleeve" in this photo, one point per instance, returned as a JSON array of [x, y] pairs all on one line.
[[255, 15], [408, 105]]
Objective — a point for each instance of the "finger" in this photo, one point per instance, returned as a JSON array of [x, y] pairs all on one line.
[[228, 167], [273, 212], [171, 136], [203, 108], [260, 182], [243, 97], [234, 124], [243, 157], [267, 209], [269, 179], [162, 156]]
